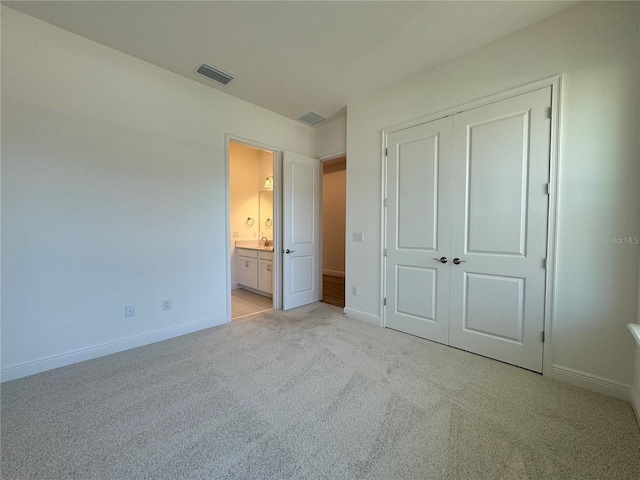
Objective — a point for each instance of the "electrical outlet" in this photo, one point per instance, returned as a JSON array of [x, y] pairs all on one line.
[[255, 234], [358, 237], [129, 310], [236, 234], [166, 304], [354, 291]]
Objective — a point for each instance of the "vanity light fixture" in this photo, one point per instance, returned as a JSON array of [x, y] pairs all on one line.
[[268, 183]]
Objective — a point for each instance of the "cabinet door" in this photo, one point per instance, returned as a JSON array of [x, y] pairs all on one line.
[[265, 276], [248, 272]]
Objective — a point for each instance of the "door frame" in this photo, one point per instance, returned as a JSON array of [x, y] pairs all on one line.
[[277, 216], [555, 83]]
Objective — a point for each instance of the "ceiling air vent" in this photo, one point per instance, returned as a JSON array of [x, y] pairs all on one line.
[[312, 118], [214, 73]]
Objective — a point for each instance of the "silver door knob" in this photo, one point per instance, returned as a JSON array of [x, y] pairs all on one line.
[[441, 259], [288, 251], [457, 261]]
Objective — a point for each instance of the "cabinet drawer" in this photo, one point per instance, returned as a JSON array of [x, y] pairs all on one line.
[[265, 255], [245, 252]]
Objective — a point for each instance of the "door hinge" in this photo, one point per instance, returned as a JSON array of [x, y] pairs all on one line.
[[386, 202], [549, 112], [385, 302], [386, 152], [544, 263], [385, 252], [542, 337], [549, 188]]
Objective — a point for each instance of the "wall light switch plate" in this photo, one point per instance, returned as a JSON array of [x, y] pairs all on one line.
[[358, 236]]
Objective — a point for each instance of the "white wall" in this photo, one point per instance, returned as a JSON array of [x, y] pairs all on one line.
[[113, 193], [331, 138], [595, 47], [266, 170], [244, 188], [334, 210]]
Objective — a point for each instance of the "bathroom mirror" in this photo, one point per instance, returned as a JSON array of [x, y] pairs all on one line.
[[266, 214]]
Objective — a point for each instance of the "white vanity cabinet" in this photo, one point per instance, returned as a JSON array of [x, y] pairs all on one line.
[[248, 268], [255, 270], [265, 272]]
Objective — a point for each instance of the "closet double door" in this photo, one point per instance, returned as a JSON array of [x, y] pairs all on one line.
[[466, 229]]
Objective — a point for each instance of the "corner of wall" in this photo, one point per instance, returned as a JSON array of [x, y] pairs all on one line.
[[330, 139]]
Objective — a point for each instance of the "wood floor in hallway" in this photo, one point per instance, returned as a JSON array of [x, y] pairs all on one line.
[[333, 290]]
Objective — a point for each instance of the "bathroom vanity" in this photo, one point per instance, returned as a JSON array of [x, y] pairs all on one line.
[[255, 269]]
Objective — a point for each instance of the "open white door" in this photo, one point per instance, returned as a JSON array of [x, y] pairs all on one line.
[[301, 230]]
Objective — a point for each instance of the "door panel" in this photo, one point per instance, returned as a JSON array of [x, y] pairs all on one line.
[[302, 275], [496, 184], [303, 215], [416, 292], [499, 228], [301, 281], [417, 171], [418, 199], [484, 315]]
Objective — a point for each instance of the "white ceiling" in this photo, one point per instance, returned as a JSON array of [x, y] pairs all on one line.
[[294, 57]]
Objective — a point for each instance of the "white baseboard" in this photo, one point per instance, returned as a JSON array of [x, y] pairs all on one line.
[[333, 273], [592, 382], [365, 317], [56, 361]]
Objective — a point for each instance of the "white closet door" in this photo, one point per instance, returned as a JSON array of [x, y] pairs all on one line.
[[418, 224], [499, 229]]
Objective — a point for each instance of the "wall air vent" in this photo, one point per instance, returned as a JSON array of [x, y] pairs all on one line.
[[215, 74], [312, 118]]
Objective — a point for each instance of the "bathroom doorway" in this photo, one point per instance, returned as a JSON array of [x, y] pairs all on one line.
[[253, 232]]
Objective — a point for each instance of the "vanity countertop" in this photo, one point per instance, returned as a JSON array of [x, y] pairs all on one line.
[[262, 248], [253, 245]]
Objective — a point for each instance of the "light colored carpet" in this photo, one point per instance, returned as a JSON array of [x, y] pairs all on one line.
[[245, 303], [309, 394]]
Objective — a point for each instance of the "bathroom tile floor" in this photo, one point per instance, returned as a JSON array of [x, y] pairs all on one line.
[[245, 303]]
